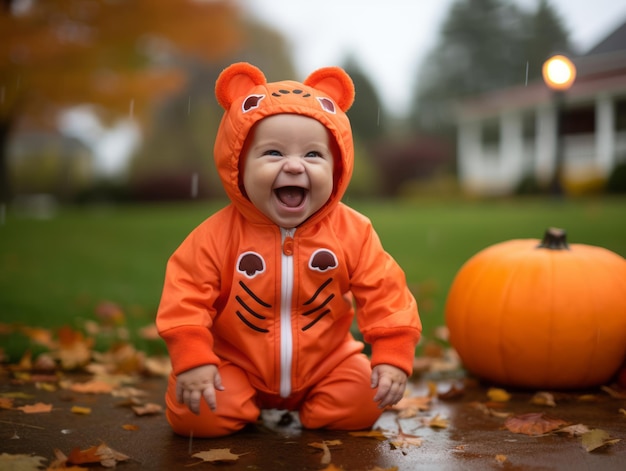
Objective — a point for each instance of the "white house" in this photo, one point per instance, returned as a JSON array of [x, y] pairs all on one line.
[[509, 135]]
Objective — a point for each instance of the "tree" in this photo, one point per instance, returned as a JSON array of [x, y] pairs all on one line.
[[121, 56], [484, 45]]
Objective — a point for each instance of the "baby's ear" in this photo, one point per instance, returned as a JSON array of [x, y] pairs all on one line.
[[336, 83], [237, 80]]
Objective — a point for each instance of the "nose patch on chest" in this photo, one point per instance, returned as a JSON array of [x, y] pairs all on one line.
[[323, 260]]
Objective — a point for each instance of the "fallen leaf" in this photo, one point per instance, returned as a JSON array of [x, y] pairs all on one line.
[[217, 455], [597, 438], [614, 393], [500, 459], [576, 430], [543, 398], [453, 392], [498, 395], [408, 407], [377, 434], [533, 424], [436, 422], [622, 411], [74, 349], [92, 387], [148, 409], [324, 446], [489, 411], [81, 410], [404, 440], [130, 427], [6, 403], [21, 462], [35, 408], [103, 454]]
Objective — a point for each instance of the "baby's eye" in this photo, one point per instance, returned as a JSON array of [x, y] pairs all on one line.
[[272, 152], [313, 153]]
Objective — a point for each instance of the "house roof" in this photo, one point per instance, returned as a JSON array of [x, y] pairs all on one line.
[[601, 70]]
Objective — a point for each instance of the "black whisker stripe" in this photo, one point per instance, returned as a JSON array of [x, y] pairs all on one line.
[[254, 296], [247, 308], [315, 321], [250, 324], [319, 290], [326, 301]]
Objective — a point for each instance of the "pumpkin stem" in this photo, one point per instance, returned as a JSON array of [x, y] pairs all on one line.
[[554, 239]]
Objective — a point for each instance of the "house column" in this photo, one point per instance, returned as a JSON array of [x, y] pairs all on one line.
[[469, 152], [605, 134], [511, 150], [545, 143]]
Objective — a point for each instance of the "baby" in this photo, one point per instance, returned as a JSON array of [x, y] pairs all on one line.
[[259, 299]]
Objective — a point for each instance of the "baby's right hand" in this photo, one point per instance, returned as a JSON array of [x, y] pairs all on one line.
[[194, 384]]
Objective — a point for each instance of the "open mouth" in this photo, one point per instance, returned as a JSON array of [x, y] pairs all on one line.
[[291, 196]]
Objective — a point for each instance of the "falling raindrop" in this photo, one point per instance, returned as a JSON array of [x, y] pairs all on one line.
[[526, 83], [194, 185], [131, 108]]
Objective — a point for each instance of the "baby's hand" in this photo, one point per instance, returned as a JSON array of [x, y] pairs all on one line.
[[194, 384], [391, 382]]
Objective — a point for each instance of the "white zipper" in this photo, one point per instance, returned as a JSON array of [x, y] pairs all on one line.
[[286, 339]]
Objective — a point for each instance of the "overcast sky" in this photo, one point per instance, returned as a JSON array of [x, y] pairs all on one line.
[[389, 38]]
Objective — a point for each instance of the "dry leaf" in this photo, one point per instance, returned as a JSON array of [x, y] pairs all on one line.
[[36, 408], [377, 434], [576, 430], [21, 462], [409, 407], [489, 411], [543, 399], [130, 427], [405, 440], [622, 411], [453, 392], [148, 409], [217, 455], [596, 438], [6, 403], [324, 447], [81, 410], [92, 387], [436, 422], [614, 393], [74, 350], [533, 424], [498, 395], [500, 459], [106, 456]]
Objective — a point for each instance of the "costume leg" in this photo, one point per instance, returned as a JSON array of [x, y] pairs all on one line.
[[343, 400], [236, 407]]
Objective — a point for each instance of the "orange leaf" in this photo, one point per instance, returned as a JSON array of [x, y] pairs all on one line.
[[148, 409], [6, 403], [130, 427], [377, 434], [92, 387], [102, 454], [533, 424], [36, 408], [498, 395]]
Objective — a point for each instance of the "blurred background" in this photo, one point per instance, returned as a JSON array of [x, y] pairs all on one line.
[[113, 100], [109, 104]]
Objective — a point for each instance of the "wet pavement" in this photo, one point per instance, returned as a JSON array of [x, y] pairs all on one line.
[[472, 436]]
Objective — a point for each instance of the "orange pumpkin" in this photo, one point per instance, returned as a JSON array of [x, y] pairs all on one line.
[[540, 314]]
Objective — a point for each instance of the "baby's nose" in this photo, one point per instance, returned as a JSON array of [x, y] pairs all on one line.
[[293, 164]]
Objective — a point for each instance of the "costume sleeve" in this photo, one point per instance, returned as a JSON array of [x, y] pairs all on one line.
[[386, 310], [186, 310]]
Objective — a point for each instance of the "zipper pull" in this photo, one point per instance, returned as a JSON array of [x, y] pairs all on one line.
[[288, 243]]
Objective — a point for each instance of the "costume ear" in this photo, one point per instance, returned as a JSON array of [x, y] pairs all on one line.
[[237, 80], [335, 82]]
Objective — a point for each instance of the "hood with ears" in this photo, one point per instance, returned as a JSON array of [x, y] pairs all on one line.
[[247, 97]]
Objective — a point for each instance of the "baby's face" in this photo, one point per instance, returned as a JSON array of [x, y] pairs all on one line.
[[288, 170]]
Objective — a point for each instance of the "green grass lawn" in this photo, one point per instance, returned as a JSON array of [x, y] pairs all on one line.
[[54, 272]]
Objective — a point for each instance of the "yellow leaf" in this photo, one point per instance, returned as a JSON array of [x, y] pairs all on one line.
[[498, 395], [436, 422], [377, 434], [148, 409], [597, 438], [501, 458], [81, 410], [217, 455], [324, 447], [25, 462], [543, 399]]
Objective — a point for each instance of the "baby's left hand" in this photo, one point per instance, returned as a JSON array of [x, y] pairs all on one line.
[[391, 382]]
